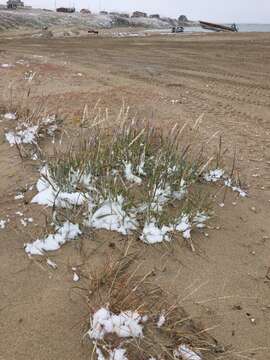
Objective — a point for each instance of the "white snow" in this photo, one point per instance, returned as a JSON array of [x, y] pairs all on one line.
[[23, 222], [111, 216], [26, 221], [229, 184], [130, 176], [76, 277], [49, 194], [27, 133], [214, 175], [180, 194], [19, 196], [51, 121], [200, 219], [66, 232], [116, 354], [161, 320], [126, 324], [162, 195], [51, 263], [6, 65], [219, 174], [186, 353], [26, 136], [184, 226], [2, 224], [152, 234], [10, 116]]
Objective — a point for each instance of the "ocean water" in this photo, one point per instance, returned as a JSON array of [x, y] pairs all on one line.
[[242, 28], [254, 27]]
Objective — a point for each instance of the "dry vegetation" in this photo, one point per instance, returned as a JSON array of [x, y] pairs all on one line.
[[165, 325]]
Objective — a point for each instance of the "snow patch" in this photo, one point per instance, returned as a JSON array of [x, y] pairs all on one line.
[[161, 320], [19, 196], [153, 234], [50, 195], [2, 224], [229, 184], [66, 232], [219, 174], [214, 175], [76, 277], [124, 325], [186, 353], [51, 263], [111, 216], [130, 176], [10, 116], [5, 66], [116, 354], [26, 136]]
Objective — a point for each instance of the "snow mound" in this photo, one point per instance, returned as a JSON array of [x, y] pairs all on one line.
[[111, 216], [219, 174], [10, 116], [49, 194], [186, 353], [66, 232], [26, 136], [125, 325]]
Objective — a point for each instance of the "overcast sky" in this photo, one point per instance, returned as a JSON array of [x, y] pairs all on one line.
[[217, 10]]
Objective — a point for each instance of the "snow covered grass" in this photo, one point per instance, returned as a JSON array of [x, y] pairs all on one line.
[[129, 176], [28, 125], [131, 316]]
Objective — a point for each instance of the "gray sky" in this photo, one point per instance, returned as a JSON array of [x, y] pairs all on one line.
[[249, 11]]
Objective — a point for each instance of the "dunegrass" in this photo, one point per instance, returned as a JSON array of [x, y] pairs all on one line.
[[130, 176], [128, 312]]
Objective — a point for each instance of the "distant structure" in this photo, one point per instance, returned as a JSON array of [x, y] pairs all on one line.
[[139, 14], [154, 16], [14, 4], [114, 13], [85, 11], [103, 12], [66, 10], [182, 19], [124, 15]]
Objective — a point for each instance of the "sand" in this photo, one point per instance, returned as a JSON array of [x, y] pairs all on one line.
[[224, 284]]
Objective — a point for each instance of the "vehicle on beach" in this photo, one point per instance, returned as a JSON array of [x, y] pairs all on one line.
[[217, 27], [178, 29]]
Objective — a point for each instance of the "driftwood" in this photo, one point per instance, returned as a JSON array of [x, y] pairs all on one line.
[[92, 31]]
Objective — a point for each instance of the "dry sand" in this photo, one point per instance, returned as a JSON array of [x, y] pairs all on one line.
[[224, 284]]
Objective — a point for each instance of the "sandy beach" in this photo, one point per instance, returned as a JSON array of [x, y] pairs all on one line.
[[225, 283]]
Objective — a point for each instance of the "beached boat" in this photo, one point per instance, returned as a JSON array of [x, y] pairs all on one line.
[[218, 27]]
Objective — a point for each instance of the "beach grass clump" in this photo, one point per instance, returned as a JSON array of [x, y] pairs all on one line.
[[129, 175], [28, 127], [132, 177], [133, 318]]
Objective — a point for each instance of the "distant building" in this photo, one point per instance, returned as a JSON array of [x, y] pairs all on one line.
[[138, 14], [14, 4], [66, 10], [103, 12], [182, 19], [114, 13], [85, 11], [155, 16]]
